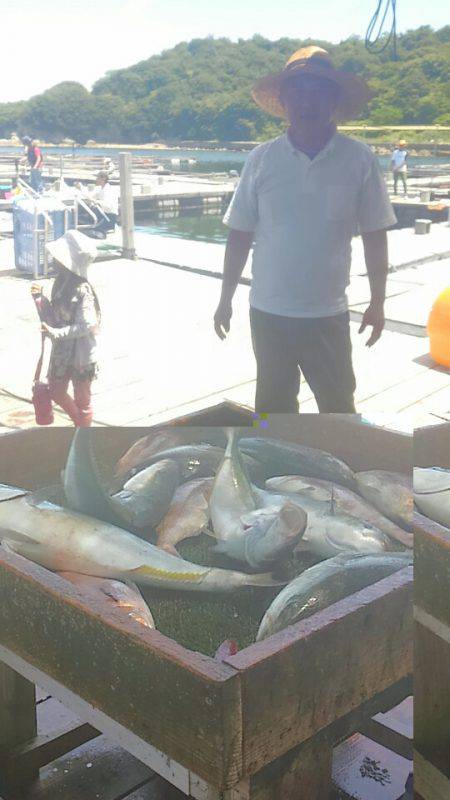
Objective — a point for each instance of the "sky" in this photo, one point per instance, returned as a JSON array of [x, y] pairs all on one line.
[[44, 42]]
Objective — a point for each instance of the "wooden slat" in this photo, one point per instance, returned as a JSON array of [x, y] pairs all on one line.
[[429, 781], [432, 631], [156, 789], [432, 697], [432, 570], [17, 708], [303, 772], [17, 725], [393, 729], [304, 678], [388, 738], [185, 704], [45, 748], [98, 769], [432, 446]]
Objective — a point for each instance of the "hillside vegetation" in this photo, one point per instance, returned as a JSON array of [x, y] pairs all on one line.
[[201, 90]]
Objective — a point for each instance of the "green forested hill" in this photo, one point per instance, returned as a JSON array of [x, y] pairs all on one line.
[[201, 90]]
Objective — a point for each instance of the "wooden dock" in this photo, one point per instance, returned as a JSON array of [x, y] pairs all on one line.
[[160, 356]]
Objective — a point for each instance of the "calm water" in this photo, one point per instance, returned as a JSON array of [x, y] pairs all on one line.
[[207, 160], [202, 227]]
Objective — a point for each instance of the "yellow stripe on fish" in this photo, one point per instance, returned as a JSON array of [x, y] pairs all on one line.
[[164, 574]]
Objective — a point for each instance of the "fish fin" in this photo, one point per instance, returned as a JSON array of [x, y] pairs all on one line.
[[10, 492]]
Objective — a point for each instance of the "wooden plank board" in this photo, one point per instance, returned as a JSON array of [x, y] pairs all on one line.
[[432, 570], [305, 770], [430, 782], [289, 681], [189, 705], [432, 446], [17, 708], [432, 698]]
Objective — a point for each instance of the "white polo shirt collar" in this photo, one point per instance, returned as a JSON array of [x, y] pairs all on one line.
[[329, 147]]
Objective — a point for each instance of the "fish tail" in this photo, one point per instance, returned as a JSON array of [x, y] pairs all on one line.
[[231, 445]]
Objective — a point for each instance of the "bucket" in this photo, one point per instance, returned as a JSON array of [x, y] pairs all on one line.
[[439, 329]]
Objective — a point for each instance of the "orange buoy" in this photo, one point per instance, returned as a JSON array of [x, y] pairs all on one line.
[[439, 329]]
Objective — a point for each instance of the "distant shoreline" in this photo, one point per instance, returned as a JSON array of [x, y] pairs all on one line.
[[426, 149]]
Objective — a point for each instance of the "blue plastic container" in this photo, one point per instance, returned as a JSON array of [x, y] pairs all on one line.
[[31, 232]]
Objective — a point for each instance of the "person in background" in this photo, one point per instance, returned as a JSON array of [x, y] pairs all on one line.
[[398, 165], [33, 155], [104, 200], [301, 198], [71, 319]]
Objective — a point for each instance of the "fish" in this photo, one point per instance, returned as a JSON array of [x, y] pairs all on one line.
[[137, 456], [232, 495], [147, 496], [432, 493], [142, 504], [344, 499], [188, 514], [267, 538], [120, 595], [287, 458], [147, 446], [67, 541], [326, 583], [390, 492], [330, 532], [202, 461]]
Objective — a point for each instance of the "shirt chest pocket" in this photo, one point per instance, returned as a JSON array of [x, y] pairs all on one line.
[[340, 202]]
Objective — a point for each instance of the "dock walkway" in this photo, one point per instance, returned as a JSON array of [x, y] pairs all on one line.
[[160, 357]]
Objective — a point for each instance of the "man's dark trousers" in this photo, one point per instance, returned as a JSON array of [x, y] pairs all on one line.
[[319, 347]]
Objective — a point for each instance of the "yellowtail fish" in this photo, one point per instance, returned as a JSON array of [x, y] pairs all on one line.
[[390, 492], [232, 494], [66, 541], [326, 583], [188, 514], [329, 531], [344, 499], [432, 493]]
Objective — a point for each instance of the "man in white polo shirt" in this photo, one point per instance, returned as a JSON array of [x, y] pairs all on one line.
[[301, 198]]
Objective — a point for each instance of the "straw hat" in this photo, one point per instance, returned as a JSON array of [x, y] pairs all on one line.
[[313, 60], [74, 251], [401, 143]]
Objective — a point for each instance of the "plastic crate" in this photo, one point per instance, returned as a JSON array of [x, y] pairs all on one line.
[[32, 231]]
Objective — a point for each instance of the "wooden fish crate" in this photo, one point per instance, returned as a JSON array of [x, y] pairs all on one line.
[[259, 726], [432, 633]]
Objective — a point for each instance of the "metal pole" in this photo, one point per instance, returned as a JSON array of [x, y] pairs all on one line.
[[126, 206]]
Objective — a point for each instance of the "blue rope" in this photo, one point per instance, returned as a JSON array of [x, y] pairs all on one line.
[[378, 38]]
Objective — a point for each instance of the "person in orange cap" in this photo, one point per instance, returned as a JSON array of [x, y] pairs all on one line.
[[301, 198], [398, 165]]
